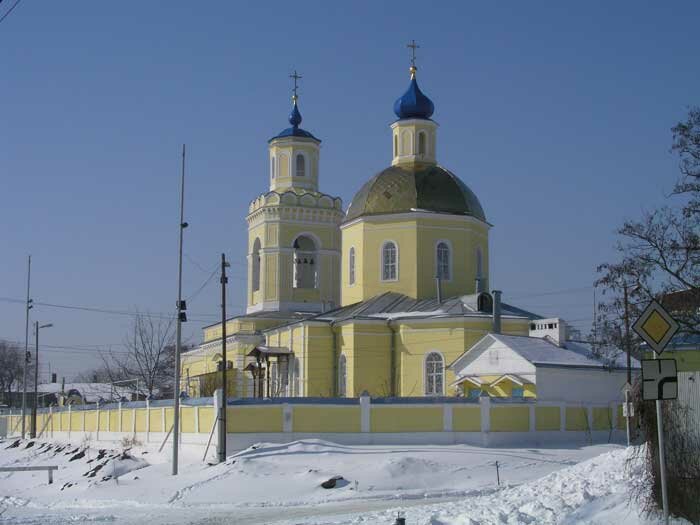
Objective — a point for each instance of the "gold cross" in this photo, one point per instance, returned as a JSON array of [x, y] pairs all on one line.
[[296, 77], [413, 47]]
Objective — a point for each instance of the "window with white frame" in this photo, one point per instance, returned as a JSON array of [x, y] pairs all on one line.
[[351, 266], [434, 374], [390, 261], [443, 261], [301, 165], [342, 376]]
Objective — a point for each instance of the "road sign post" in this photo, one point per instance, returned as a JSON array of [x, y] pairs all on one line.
[[657, 327]]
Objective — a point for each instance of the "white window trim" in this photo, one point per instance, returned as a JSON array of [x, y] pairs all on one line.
[[273, 171], [425, 373], [449, 265], [307, 174], [352, 266], [381, 261], [423, 134]]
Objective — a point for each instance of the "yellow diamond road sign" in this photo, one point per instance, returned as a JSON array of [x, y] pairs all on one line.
[[656, 327]]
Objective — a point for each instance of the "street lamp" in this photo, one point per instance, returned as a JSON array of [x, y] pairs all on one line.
[[35, 405]]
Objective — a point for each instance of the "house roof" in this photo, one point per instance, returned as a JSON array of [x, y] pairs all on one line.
[[544, 352], [90, 392]]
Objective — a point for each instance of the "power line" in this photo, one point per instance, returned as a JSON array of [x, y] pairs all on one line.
[[9, 11]]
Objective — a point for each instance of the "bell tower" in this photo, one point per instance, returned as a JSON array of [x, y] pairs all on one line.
[[293, 229]]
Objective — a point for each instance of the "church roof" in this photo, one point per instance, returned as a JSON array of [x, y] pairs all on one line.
[[393, 305], [415, 188], [295, 131], [413, 103]]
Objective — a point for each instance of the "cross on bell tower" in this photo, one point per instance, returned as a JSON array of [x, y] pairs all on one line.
[[296, 77], [413, 46]]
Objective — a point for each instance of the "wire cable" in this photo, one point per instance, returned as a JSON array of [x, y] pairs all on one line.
[[3, 17]]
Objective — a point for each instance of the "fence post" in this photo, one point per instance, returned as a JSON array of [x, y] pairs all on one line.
[[196, 419], [119, 426], [533, 418], [148, 419], [70, 420], [162, 420], [562, 417], [133, 422], [447, 417], [613, 418], [365, 409], [83, 411], [485, 405], [287, 415], [97, 420]]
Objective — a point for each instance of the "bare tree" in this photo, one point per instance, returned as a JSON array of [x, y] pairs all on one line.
[[660, 254], [150, 356], [11, 368]]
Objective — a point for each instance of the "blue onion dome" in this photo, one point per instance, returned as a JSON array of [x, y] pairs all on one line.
[[295, 130], [295, 116], [413, 103]]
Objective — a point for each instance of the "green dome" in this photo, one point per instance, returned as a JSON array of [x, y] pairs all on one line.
[[401, 189]]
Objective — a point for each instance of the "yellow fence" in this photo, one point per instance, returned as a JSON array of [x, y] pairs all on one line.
[[329, 417]]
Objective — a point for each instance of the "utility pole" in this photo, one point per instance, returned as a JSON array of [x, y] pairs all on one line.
[[35, 405], [181, 317], [26, 350], [224, 363], [629, 363]]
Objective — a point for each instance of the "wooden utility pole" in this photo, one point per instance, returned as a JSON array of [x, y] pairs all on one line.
[[224, 363]]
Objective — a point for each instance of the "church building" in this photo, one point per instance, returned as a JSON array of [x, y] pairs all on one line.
[[381, 297]]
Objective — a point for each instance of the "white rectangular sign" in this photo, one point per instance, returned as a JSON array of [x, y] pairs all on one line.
[[659, 379]]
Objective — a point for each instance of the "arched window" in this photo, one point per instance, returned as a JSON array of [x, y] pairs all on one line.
[[434, 374], [305, 263], [272, 167], [301, 165], [479, 264], [443, 261], [255, 277], [390, 260], [342, 376], [396, 145], [421, 143], [351, 266]]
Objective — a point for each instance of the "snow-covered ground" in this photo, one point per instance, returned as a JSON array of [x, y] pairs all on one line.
[[272, 483]]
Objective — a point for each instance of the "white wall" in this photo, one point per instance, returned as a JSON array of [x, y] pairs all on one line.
[[508, 362], [580, 385]]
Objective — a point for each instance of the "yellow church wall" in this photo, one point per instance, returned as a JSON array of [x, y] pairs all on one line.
[[448, 337], [510, 419], [373, 236], [466, 419], [547, 418], [318, 366], [369, 358], [326, 419], [406, 419], [254, 419], [269, 271], [463, 238], [352, 238]]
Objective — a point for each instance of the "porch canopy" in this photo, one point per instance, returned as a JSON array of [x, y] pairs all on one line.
[[261, 373]]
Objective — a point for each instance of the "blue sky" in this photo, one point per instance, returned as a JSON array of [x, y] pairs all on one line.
[[557, 116]]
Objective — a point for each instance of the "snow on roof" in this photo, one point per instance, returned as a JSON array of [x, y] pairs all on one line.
[[544, 352], [88, 391]]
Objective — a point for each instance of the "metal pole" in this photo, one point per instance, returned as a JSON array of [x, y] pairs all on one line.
[[662, 456], [224, 363], [178, 326], [629, 364], [36, 380], [26, 350]]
